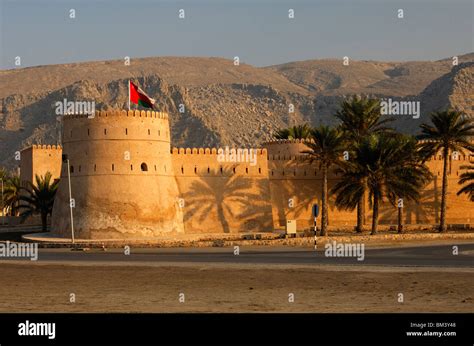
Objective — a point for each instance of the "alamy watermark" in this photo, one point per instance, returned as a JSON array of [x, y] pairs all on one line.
[[394, 107], [237, 155], [14, 250], [335, 249], [28, 328], [65, 107]]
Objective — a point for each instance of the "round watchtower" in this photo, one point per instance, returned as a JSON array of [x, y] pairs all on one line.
[[122, 179]]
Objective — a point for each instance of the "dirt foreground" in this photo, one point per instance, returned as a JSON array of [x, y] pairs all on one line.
[[233, 288]]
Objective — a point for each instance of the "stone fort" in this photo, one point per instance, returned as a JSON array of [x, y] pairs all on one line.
[[127, 183]]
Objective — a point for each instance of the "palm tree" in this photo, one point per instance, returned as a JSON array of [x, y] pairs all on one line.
[[413, 177], [40, 198], [12, 194], [295, 132], [451, 131], [327, 146], [387, 166], [361, 117], [467, 177]]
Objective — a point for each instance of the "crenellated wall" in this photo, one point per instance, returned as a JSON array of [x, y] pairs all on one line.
[[128, 183]]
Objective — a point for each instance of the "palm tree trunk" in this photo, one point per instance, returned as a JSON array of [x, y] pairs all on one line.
[[400, 220], [444, 191], [375, 214], [361, 212], [360, 215], [324, 202], [44, 222]]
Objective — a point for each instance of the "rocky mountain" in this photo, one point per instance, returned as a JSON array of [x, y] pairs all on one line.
[[213, 102]]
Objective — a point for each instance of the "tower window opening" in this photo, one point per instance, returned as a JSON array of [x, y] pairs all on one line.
[[148, 132], [195, 170], [233, 169], [182, 170], [159, 133], [105, 131], [131, 167], [88, 132], [126, 131], [71, 170], [247, 170], [155, 168], [113, 167], [144, 167], [70, 134], [221, 170], [95, 168], [165, 168], [208, 170], [259, 170], [79, 168]]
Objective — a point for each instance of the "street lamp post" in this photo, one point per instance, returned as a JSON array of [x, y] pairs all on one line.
[[65, 158]]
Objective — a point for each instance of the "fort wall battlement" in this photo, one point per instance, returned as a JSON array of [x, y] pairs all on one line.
[[44, 147], [210, 151]]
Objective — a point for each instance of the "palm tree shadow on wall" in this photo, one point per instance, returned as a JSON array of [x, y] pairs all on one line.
[[222, 192], [426, 210], [257, 212]]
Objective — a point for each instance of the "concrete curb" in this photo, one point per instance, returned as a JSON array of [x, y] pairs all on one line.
[[46, 241]]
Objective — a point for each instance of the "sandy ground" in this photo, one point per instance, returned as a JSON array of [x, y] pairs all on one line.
[[233, 288]]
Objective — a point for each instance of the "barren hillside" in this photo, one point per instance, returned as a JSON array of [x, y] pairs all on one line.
[[224, 104]]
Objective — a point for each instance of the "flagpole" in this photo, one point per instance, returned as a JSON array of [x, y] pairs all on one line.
[[129, 94]]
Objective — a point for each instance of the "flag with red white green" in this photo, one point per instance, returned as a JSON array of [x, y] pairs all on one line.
[[139, 97]]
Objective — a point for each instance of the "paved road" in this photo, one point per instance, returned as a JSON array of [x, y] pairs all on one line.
[[431, 256]]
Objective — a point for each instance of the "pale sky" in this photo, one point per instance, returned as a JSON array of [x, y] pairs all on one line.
[[258, 31]]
